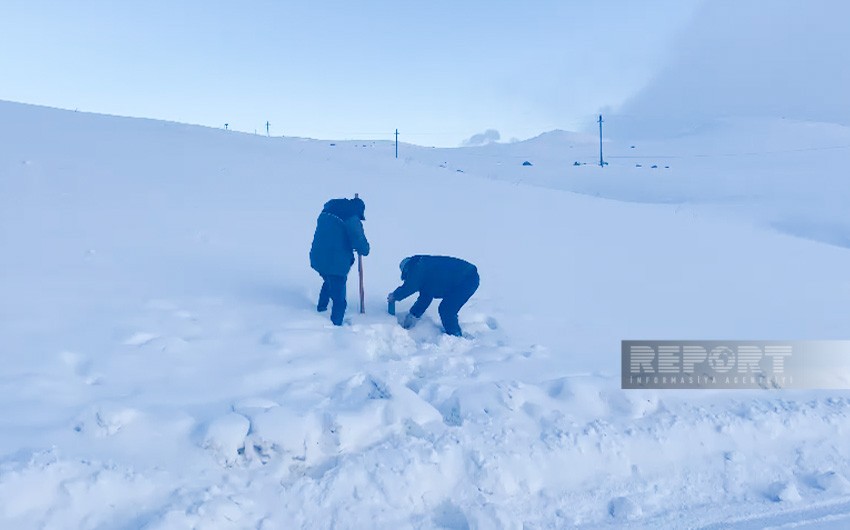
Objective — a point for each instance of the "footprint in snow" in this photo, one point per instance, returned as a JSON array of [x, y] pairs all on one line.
[[140, 338], [107, 420], [81, 367]]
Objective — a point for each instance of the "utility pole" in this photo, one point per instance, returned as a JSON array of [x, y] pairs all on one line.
[[267, 127], [601, 162], [396, 143]]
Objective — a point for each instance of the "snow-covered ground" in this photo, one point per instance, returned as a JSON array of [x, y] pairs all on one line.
[[163, 366]]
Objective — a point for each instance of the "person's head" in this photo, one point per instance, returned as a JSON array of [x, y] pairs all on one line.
[[402, 265], [359, 207]]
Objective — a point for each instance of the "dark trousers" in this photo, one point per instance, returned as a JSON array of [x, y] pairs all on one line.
[[452, 303], [333, 289]]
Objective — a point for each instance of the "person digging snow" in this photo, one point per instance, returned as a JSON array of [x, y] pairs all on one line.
[[339, 232], [452, 279]]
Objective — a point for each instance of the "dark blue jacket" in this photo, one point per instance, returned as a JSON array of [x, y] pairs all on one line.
[[432, 277], [339, 232]]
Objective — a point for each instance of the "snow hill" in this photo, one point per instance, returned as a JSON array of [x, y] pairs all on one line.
[[164, 366]]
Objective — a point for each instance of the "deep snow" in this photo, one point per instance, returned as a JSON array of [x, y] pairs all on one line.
[[164, 366]]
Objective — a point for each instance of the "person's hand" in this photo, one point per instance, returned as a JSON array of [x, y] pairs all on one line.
[[390, 298], [409, 321]]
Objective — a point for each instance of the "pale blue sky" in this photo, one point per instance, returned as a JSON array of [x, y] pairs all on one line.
[[439, 71]]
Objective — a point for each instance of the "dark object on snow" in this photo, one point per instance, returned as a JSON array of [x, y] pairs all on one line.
[[339, 232], [638, 165], [452, 279], [576, 163], [654, 167], [527, 163]]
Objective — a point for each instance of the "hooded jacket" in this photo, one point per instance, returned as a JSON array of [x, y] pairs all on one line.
[[339, 232]]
